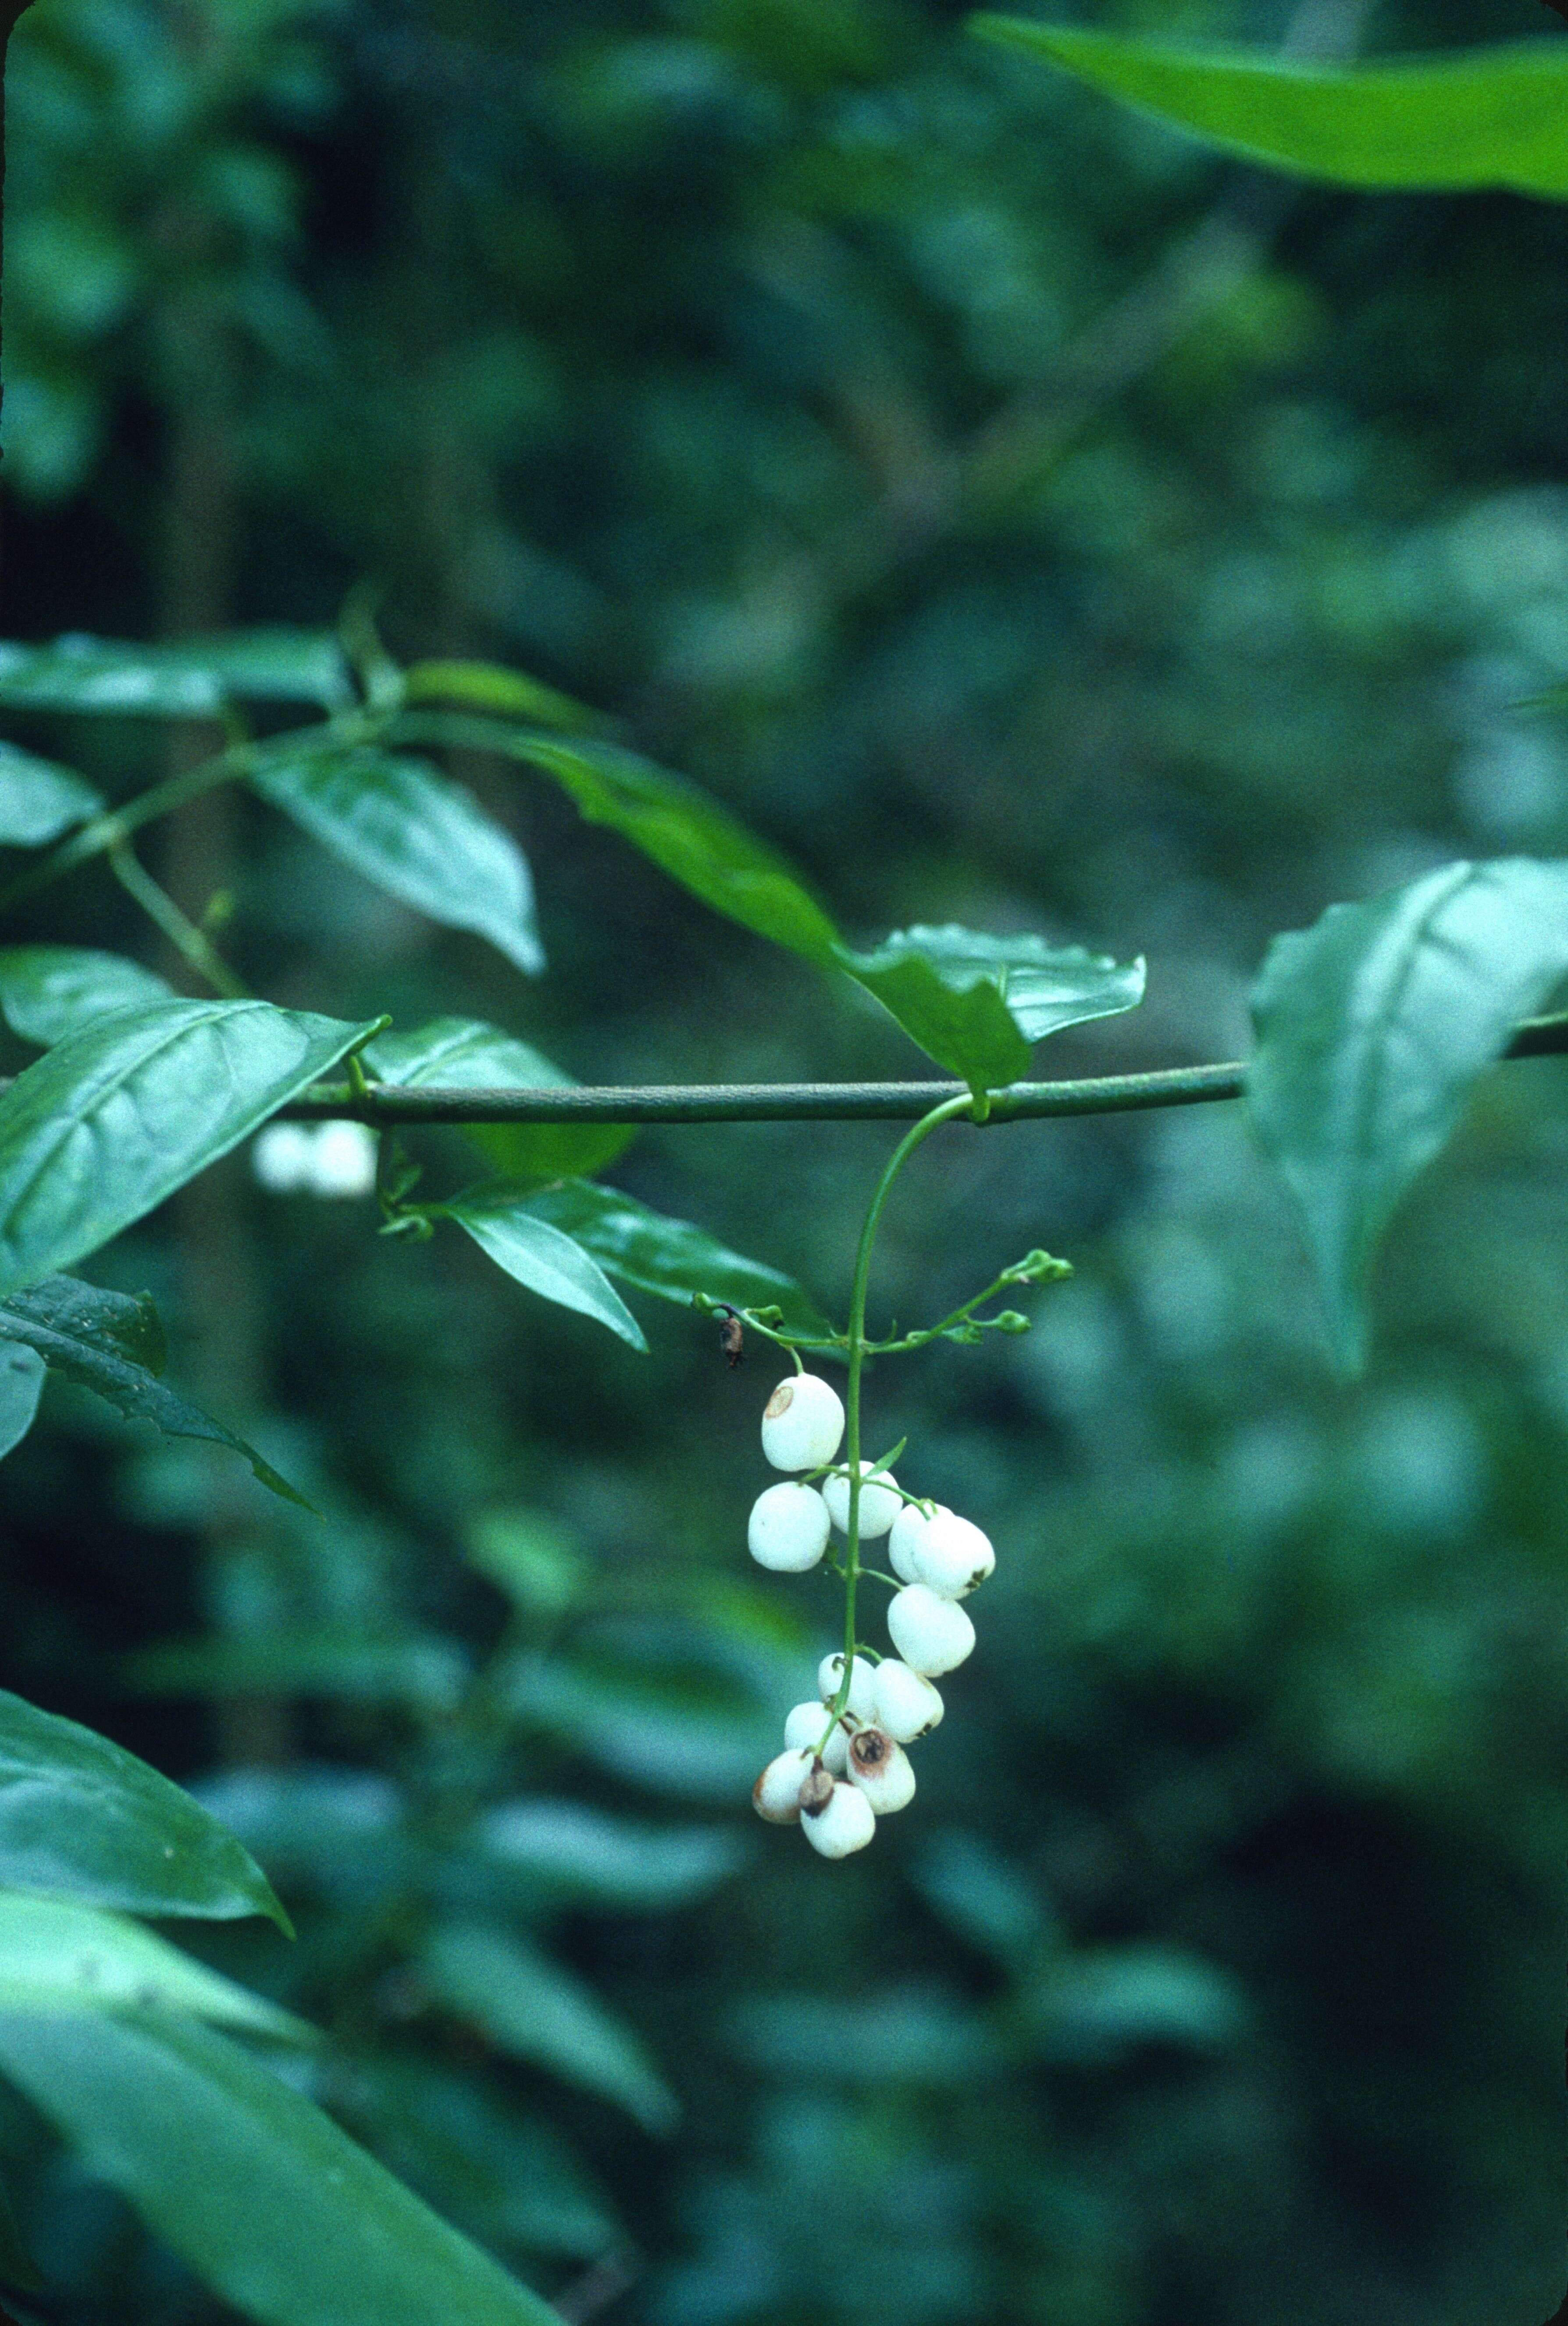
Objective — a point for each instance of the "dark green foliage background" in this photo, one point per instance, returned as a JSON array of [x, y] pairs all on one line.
[[838, 405]]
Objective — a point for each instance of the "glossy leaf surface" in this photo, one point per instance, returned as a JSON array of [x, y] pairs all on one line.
[[542, 1257], [250, 2183], [39, 801], [1372, 1027], [21, 1387], [193, 680], [1489, 117], [465, 1054], [119, 1115], [538, 2010], [56, 1956], [424, 838], [83, 1820], [667, 1256], [48, 991]]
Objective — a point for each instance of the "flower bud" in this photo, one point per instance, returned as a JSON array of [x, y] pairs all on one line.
[[951, 1556], [846, 1821], [908, 1532], [803, 1731], [831, 1672], [879, 1504], [802, 1423], [881, 1768], [776, 1794], [904, 1702], [1011, 1320], [931, 1634], [788, 1528]]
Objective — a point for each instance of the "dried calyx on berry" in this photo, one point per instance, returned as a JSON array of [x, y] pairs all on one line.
[[838, 1823], [881, 1768]]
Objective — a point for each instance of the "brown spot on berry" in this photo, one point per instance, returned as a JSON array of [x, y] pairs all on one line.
[[817, 1791], [783, 1398], [869, 1749]]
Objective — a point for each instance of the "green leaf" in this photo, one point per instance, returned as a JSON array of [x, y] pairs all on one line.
[[1487, 117], [489, 686], [429, 1676], [55, 1957], [976, 1003], [83, 1820], [17, 2267], [568, 1853], [534, 2009], [541, 1257], [21, 1387], [194, 680], [119, 1115], [1092, 2009], [659, 1254], [114, 1345], [405, 826], [1372, 1027], [48, 991], [465, 1054], [973, 1003], [258, 2192], [39, 801]]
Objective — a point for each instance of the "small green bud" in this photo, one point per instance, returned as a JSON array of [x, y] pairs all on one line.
[[1010, 1321]]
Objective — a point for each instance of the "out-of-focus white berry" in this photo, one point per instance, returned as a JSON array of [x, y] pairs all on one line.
[[803, 1731], [281, 1156], [343, 1160], [881, 1769], [903, 1540], [879, 1505], [776, 1794], [789, 1528], [845, 1822], [802, 1423], [861, 1705], [903, 1701], [931, 1634], [951, 1556]]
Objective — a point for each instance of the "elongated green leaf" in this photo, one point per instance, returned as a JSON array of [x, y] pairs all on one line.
[[466, 1055], [530, 2007], [541, 1257], [566, 1852], [976, 1003], [489, 686], [663, 1255], [114, 1345], [17, 2267], [279, 2211], [1488, 118], [21, 1387], [119, 1116], [421, 837], [48, 991], [82, 1819], [189, 681], [39, 801], [1372, 1027], [57, 1956]]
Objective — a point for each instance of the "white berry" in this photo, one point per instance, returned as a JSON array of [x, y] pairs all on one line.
[[343, 1160], [789, 1528], [931, 1634], [802, 1424], [951, 1556], [881, 1769], [803, 1731], [879, 1504], [903, 1701], [282, 1158], [905, 1538], [845, 1822], [861, 1705], [776, 1794]]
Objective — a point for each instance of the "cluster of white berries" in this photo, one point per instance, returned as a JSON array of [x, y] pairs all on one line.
[[836, 1776], [315, 1159]]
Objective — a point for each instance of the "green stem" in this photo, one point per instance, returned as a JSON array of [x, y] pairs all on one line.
[[945, 1112], [106, 832], [187, 939]]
